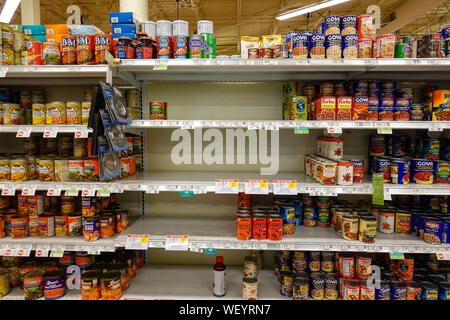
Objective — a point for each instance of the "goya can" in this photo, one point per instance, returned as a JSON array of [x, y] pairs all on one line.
[[422, 171], [400, 171], [333, 45], [350, 46], [85, 49], [349, 25], [300, 46], [383, 165], [317, 46], [331, 286], [383, 292], [69, 50], [91, 228], [398, 290], [332, 25], [317, 286]]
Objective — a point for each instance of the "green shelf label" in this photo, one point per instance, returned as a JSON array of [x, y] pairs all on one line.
[[378, 189], [301, 130], [211, 251], [396, 255], [186, 193]]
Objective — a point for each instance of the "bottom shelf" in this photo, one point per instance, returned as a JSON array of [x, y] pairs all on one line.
[[183, 283]]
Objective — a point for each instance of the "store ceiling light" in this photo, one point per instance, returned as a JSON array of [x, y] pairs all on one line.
[[310, 8], [8, 10]]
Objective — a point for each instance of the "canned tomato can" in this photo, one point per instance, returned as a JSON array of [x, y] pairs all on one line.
[[69, 50], [249, 288], [351, 290], [430, 291], [346, 265], [243, 227], [422, 171], [317, 286], [331, 286], [91, 228], [363, 265], [383, 165], [287, 280], [85, 49], [301, 289], [345, 172], [317, 46]]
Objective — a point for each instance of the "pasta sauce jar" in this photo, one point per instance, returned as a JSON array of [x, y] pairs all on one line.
[[124, 49]]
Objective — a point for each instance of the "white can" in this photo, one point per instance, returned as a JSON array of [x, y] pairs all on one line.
[[335, 149], [345, 173], [163, 28], [205, 26], [180, 28], [149, 27], [249, 289], [386, 222], [250, 267]]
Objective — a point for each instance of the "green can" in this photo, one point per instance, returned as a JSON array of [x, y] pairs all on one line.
[[209, 46], [407, 40], [403, 50]]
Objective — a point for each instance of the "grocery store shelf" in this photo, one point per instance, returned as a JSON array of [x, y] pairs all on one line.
[[284, 69], [220, 233], [204, 182], [41, 129], [181, 283], [289, 124]]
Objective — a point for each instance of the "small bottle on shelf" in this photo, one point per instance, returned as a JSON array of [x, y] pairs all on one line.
[[219, 279]]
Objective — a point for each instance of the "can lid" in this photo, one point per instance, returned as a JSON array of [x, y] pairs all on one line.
[[91, 275]]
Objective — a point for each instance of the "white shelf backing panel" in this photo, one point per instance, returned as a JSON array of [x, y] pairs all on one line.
[[285, 69], [220, 232], [289, 124], [183, 283]]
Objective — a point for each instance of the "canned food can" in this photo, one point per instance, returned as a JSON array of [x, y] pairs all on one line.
[[249, 288], [56, 113], [413, 290], [367, 291], [331, 286], [346, 265], [69, 50], [301, 289], [317, 286], [398, 290], [73, 112], [351, 289], [287, 280], [367, 229], [350, 227], [91, 228], [85, 49], [51, 53], [317, 46]]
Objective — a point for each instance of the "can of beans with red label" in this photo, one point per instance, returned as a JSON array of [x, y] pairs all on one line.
[[346, 265], [243, 227], [266, 53], [259, 229], [103, 44], [69, 50], [85, 49]]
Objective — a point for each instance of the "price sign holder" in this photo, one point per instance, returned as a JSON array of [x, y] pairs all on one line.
[[23, 133], [285, 187], [396, 255], [7, 191], [71, 193], [54, 192], [88, 192], [137, 242], [378, 189], [256, 187], [28, 191], [301, 130], [187, 193], [177, 243], [56, 253], [50, 133], [227, 186]]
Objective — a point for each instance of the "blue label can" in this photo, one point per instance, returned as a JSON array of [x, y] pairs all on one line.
[[333, 25], [400, 171], [430, 291], [317, 46], [300, 46], [422, 171], [444, 291], [350, 46], [349, 25], [383, 292], [402, 110], [398, 290], [433, 230]]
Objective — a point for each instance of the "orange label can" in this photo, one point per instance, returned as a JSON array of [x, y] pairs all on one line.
[[244, 227]]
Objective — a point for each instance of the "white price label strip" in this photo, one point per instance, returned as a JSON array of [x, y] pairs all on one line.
[[256, 187], [103, 193], [90, 192], [41, 252], [50, 133], [54, 192], [285, 187], [81, 134], [71, 193], [7, 191], [56, 253], [23, 252], [28, 191], [23, 133], [152, 190], [443, 255], [384, 130], [177, 243], [334, 129], [227, 186], [137, 242]]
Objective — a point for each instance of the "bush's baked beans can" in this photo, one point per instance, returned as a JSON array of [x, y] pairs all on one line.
[[301, 289], [317, 46], [367, 229], [346, 265], [350, 46], [275, 227], [243, 227], [351, 289]]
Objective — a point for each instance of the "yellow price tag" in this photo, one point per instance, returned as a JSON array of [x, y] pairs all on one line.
[[183, 240], [144, 239], [292, 185], [233, 184], [263, 184]]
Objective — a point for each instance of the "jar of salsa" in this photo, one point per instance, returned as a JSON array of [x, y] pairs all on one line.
[[125, 49], [145, 48]]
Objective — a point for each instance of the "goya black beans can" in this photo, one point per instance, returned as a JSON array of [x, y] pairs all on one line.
[[301, 289], [331, 286], [444, 291], [317, 284], [287, 280], [398, 290], [383, 292]]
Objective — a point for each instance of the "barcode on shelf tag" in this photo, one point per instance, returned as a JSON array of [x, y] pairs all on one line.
[[227, 186], [396, 255], [54, 192], [28, 191], [256, 187], [334, 129], [81, 134], [387, 194], [8, 191], [443, 255], [137, 242], [50, 133], [90, 192], [177, 242], [103, 193], [252, 125], [41, 252], [260, 246], [71, 193], [285, 187], [23, 133], [56, 253], [384, 130], [93, 251]]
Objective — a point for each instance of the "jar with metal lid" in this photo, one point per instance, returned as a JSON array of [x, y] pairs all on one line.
[[124, 49], [250, 267], [249, 288], [90, 285], [146, 48], [301, 289], [123, 268]]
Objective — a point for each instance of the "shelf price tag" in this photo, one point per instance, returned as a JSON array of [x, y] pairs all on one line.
[[160, 67], [301, 130], [137, 242], [443, 255], [187, 193], [271, 126], [256, 187], [254, 125], [210, 251], [9, 252], [81, 134], [396, 255], [378, 189], [93, 251], [7, 191], [334, 129], [384, 130], [28, 191], [58, 253], [227, 186], [23, 133], [71, 193], [50, 133], [41, 252], [285, 187], [3, 71], [103, 193], [54, 192], [177, 243], [152, 189], [23, 252], [435, 127], [89, 192]]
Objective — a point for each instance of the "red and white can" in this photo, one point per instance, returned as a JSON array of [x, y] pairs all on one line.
[[351, 289], [345, 173], [346, 265], [385, 46], [367, 291]]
